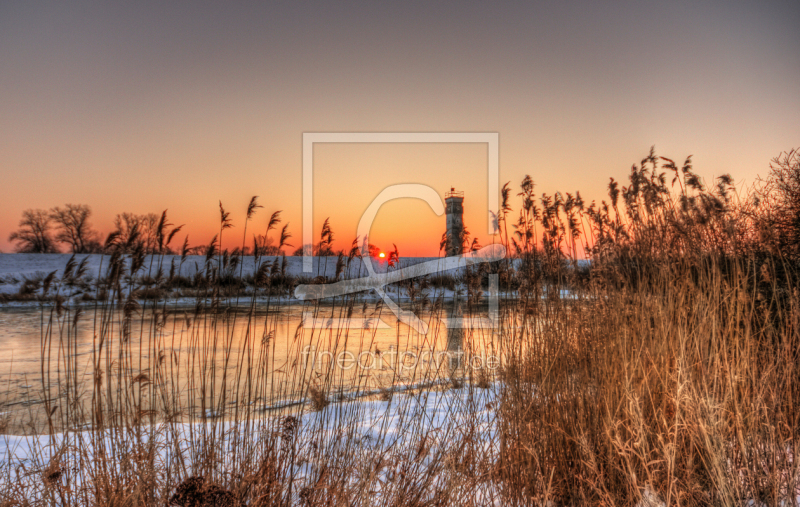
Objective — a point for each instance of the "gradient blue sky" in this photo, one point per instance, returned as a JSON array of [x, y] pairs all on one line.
[[180, 104]]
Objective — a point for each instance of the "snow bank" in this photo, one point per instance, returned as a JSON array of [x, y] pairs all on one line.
[[15, 268], [373, 428]]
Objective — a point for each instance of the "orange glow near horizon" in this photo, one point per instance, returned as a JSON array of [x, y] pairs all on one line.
[[209, 104], [381, 255], [366, 169]]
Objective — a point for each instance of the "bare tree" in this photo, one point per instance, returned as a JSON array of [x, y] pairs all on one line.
[[127, 226], [33, 235], [148, 231], [135, 230], [780, 204], [74, 229]]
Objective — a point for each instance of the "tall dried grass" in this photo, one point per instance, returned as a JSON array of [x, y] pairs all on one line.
[[663, 372]]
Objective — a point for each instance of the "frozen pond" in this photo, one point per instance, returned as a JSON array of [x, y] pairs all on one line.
[[178, 359]]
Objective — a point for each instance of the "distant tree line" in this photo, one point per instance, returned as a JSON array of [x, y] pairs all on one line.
[[41, 231], [643, 218], [69, 228]]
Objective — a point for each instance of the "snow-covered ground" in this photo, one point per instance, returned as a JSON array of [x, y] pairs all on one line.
[[375, 438], [28, 265], [15, 269], [373, 432]]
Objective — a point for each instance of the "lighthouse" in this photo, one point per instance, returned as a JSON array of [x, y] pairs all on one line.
[[454, 209]]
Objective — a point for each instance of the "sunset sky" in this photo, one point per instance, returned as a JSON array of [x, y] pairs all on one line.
[[178, 105]]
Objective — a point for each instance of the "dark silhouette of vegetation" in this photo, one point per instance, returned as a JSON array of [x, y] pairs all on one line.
[[778, 206], [73, 228], [138, 231], [34, 233]]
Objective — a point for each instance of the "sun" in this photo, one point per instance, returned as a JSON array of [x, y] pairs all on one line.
[[381, 255]]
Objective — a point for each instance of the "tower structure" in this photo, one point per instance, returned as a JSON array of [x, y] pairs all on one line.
[[454, 208]]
